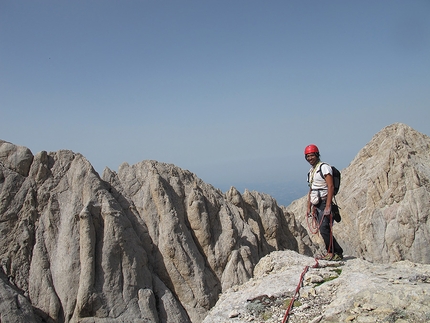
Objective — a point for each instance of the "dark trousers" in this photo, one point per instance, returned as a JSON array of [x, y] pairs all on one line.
[[325, 230]]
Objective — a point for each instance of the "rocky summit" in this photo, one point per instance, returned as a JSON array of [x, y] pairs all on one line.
[[352, 290], [154, 243]]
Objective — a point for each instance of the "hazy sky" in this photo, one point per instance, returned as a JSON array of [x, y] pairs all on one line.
[[230, 90]]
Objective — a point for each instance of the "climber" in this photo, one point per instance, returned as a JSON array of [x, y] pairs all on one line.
[[321, 192]]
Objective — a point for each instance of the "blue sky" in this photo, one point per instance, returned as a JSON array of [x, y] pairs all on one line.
[[230, 90]]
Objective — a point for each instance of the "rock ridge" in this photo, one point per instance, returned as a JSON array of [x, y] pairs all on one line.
[[151, 243]]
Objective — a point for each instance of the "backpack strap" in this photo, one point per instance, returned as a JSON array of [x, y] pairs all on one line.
[[320, 171]]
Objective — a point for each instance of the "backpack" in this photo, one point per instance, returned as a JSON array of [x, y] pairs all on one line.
[[336, 177]]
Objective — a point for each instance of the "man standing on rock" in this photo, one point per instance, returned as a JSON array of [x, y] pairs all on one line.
[[321, 192]]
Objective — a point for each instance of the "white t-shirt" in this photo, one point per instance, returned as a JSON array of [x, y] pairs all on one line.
[[317, 182]]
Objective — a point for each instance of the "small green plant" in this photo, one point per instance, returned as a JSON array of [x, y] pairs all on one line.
[[255, 307], [266, 315], [287, 301], [338, 271]]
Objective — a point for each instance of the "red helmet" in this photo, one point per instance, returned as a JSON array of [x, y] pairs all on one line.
[[311, 149]]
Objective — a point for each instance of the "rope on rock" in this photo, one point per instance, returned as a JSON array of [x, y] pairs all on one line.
[[299, 285]]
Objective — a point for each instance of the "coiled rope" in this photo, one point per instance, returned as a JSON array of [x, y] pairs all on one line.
[[314, 227]]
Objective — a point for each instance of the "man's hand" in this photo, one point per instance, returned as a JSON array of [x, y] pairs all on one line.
[[327, 210]]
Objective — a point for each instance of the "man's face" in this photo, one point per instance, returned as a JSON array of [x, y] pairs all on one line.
[[312, 159]]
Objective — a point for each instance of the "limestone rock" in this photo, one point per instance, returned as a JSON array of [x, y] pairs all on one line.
[[16, 158], [151, 243], [14, 307], [353, 290], [202, 241]]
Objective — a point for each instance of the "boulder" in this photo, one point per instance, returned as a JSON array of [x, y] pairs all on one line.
[[16, 158]]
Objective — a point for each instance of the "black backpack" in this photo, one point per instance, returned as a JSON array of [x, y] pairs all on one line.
[[336, 177]]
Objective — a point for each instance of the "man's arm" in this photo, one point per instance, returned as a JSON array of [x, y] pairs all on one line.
[[308, 211], [330, 193]]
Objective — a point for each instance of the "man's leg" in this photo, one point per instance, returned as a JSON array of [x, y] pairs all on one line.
[[337, 248], [325, 234], [325, 226]]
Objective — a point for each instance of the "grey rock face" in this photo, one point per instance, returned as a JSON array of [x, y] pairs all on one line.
[[386, 199], [17, 158], [353, 290], [151, 243], [14, 307], [201, 242]]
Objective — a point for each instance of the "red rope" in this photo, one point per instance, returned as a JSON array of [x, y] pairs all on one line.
[[300, 284], [314, 226]]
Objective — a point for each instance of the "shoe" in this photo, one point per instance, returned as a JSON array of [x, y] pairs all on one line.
[[337, 257], [328, 256]]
